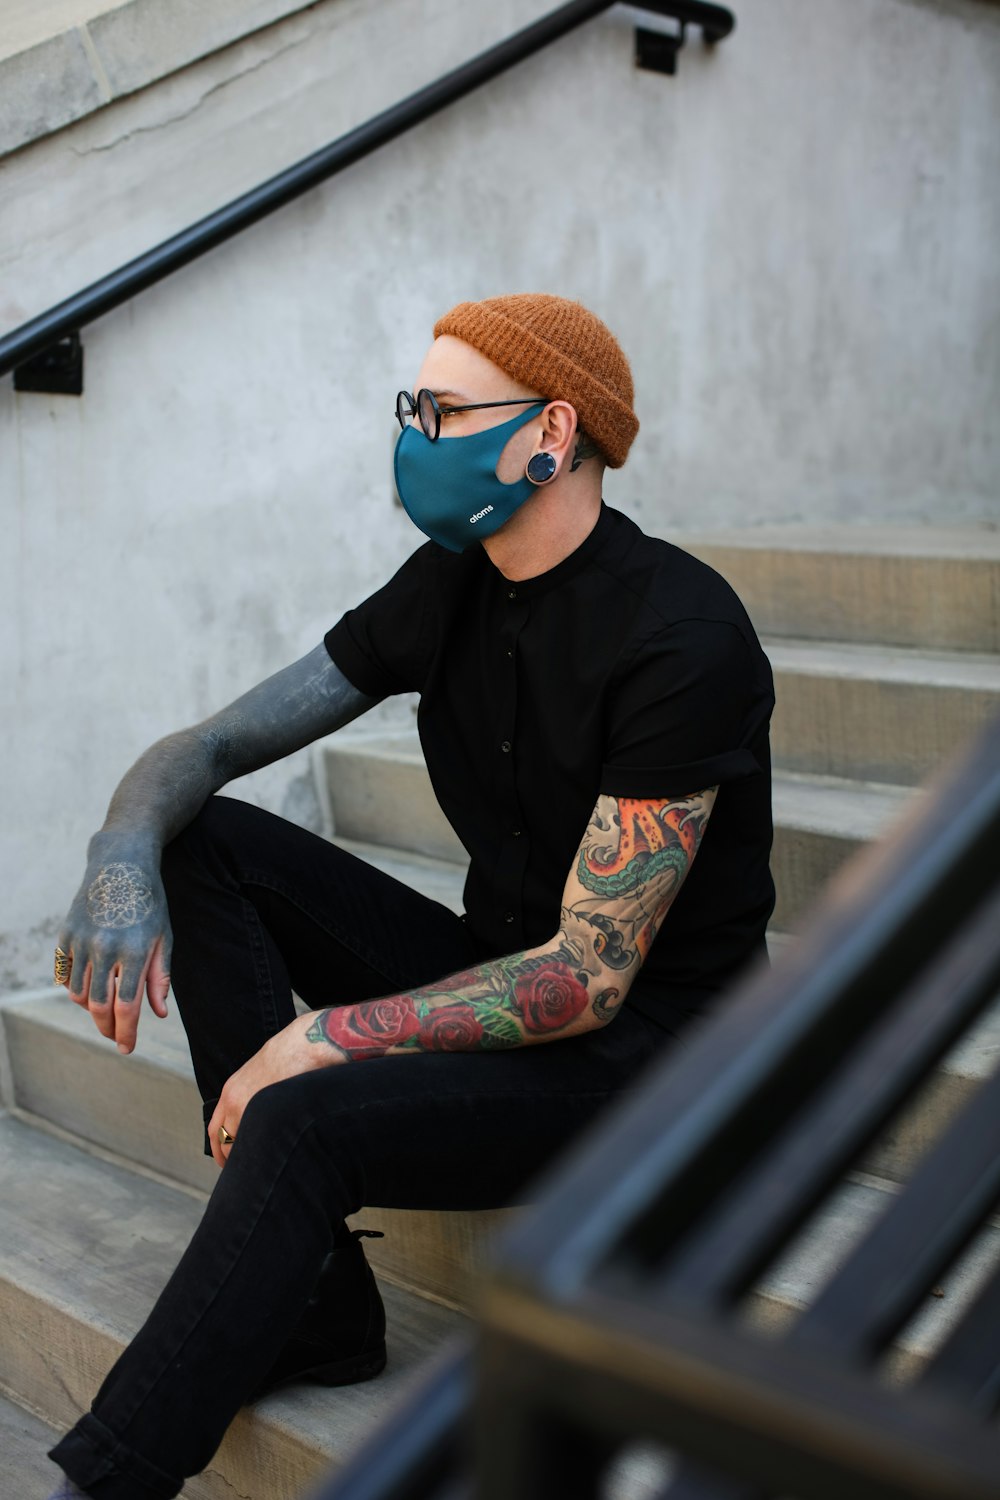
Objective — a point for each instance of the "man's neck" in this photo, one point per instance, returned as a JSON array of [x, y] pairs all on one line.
[[542, 533]]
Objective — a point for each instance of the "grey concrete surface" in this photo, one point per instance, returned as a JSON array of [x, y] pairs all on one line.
[[876, 713], [944, 1095], [44, 87], [62, 59], [145, 1107], [819, 823], [86, 1248], [928, 587], [24, 1442], [380, 794]]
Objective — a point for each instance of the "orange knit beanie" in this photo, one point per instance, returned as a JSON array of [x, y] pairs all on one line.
[[562, 351]]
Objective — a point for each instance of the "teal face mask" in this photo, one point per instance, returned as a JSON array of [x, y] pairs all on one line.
[[450, 488]]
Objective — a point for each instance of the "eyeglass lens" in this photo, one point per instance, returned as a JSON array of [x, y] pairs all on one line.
[[425, 409], [429, 413], [404, 408]]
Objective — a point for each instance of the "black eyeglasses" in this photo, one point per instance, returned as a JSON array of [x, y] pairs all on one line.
[[426, 409]]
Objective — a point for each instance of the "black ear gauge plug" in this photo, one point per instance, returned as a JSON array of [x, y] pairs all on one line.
[[540, 468]]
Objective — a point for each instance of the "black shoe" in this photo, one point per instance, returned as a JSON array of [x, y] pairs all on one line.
[[340, 1338]]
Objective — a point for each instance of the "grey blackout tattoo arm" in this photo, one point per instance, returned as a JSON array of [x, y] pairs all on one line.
[[116, 939], [170, 782]]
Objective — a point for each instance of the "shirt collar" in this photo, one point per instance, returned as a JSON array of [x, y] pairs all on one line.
[[541, 583]]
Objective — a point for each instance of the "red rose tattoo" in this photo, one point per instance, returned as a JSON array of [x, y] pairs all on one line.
[[372, 1027], [549, 997], [450, 1028]]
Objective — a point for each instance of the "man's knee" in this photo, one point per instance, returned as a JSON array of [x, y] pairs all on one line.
[[206, 841], [280, 1120], [272, 1113]]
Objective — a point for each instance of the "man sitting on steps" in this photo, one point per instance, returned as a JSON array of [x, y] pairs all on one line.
[[594, 704]]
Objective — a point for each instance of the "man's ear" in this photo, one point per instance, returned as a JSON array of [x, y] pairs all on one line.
[[559, 429]]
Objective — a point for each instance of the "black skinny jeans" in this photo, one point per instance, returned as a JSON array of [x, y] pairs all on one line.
[[261, 908]]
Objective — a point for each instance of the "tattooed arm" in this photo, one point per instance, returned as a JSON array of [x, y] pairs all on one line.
[[629, 867], [117, 931], [626, 874]]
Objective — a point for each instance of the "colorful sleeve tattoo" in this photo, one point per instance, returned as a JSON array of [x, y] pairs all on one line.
[[630, 866]]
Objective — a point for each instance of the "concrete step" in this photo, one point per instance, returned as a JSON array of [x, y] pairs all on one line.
[[67, 1075], [24, 1442], [380, 793], [86, 1247], [819, 822], [944, 1095], [825, 1243], [878, 713], [87, 1244], [145, 1111], [929, 587]]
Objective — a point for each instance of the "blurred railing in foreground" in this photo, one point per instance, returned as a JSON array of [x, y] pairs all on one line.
[[619, 1308]]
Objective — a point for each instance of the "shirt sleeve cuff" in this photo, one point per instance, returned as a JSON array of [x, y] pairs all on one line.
[[359, 670], [681, 780]]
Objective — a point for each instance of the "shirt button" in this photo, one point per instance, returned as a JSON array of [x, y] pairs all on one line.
[[509, 651], [515, 833], [508, 916], [505, 747], [512, 593]]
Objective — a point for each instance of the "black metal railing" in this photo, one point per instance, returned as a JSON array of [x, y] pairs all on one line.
[[69, 316], [616, 1309]]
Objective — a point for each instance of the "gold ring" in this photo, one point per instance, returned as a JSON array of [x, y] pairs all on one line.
[[225, 1139], [63, 964]]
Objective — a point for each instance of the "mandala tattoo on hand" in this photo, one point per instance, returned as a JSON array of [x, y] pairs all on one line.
[[119, 896]]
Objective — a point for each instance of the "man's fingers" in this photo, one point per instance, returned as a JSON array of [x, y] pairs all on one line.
[[131, 979], [103, 1017], [102, 982], [102, 1011], [220, 1125], [219, 1152], [78, 988], [126, 1017], [158, 977], [111, 988]]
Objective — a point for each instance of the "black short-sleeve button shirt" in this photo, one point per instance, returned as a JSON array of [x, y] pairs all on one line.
[[629, 669]]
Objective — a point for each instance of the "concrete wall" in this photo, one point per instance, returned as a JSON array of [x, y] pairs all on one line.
[[795, 238]]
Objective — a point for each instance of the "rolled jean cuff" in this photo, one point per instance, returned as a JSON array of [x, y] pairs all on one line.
[[106, 1469]]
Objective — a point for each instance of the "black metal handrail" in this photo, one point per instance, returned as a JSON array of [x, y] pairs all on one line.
[[145, 270]]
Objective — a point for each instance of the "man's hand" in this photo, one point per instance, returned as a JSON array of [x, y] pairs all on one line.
[[287, 1053], [117, 936]]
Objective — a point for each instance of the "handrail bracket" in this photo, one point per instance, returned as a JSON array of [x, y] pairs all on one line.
[[656, 51], [56, 371]]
